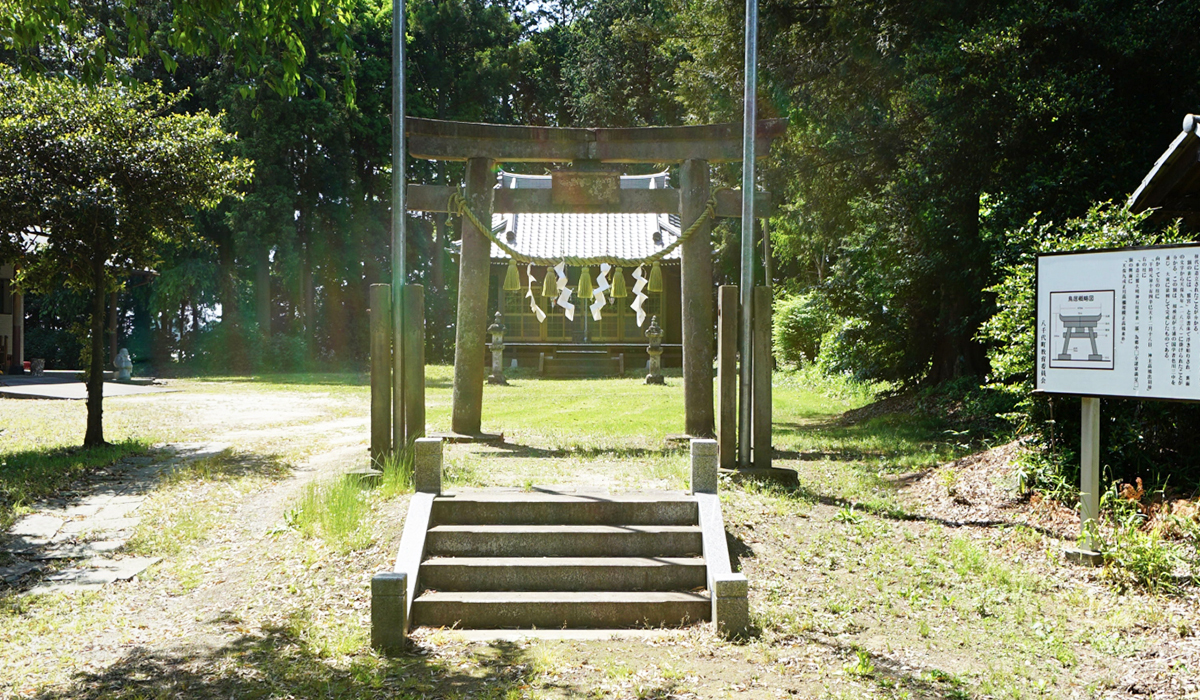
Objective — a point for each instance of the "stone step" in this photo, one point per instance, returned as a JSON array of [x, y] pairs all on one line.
[[563, 541], [563, 509], [563, 573], [555, 371], [550, 610]]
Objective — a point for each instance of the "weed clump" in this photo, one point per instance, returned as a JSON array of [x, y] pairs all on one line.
[[334, 511]]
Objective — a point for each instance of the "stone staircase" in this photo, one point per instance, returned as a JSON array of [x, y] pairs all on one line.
[[582, 364], [504, 559], [552, 560]]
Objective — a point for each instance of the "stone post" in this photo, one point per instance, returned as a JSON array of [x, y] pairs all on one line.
[[389, 612], [413, 296], [727, 374], [696, 292], [427, 465], [473, 265], [704, 465], [497, 331], [761, 436], [654, 370], [731, 605], [381, 372]]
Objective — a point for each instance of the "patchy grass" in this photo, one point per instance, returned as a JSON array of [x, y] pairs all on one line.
[[29, 474], [196, 497]]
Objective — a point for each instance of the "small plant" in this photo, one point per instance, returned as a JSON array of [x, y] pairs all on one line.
[[949, 481], [861, 665], [1135, 556], [847, 515]]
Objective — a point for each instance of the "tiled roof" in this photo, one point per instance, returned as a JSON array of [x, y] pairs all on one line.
[[586, 235]]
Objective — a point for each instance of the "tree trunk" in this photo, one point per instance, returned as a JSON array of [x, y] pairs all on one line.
[[308, 302], [231, 318], [95, 387], [436, 274], [113, 339], [956, 353], [262, 292]]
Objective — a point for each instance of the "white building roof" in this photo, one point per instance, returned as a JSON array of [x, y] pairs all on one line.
[[586, 235]]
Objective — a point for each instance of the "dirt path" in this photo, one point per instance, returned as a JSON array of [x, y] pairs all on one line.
[[227, 570]]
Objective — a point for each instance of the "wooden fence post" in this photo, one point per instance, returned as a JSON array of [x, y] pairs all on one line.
[[381, 372]]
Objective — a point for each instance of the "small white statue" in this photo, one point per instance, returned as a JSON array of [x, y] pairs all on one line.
[[124, 366]]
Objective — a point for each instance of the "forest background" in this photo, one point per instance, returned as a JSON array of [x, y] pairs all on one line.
[[933, 148]]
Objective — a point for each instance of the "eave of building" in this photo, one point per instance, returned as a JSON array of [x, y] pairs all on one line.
[[585, 235], [1173, 185]]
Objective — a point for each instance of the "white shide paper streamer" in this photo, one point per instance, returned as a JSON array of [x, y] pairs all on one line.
[[602, 286], [533, 305], [564, 294], [640, 297]]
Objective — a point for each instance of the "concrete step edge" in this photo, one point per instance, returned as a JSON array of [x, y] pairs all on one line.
[[579, 597], [584, 530], [534, 562]]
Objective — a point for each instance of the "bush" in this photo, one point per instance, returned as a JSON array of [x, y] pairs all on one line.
[[286, 353], [854, 348], [800, 322]]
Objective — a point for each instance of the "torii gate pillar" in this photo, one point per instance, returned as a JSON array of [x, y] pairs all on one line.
[[696, 292], [473, 265]]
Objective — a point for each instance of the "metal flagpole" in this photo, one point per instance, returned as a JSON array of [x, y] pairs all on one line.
[[749, 117], [399, 239]]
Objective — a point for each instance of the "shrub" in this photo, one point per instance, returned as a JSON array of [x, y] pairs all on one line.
[[800, 322], [852, 348]]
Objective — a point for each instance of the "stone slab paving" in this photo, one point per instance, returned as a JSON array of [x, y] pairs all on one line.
[[93, 574], [89, 525], [70, 389]]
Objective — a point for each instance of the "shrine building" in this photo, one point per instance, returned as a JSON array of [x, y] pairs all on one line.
[[559, 346]]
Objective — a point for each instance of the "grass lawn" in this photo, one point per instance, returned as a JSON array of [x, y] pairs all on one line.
[[856, 592]]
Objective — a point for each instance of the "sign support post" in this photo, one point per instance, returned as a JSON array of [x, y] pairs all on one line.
[[1089, 482]]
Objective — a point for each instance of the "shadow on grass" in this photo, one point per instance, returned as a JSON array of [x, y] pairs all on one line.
[[29, 475], [300, 378], [510, 450], [278, 663], [116, 472], [892, 512]]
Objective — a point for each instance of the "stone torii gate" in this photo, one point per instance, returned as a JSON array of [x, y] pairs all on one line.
[[482, 146]]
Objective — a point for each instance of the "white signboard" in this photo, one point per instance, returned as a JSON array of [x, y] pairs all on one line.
[[1120, 323]]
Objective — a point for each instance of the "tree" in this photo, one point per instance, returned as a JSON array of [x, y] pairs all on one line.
[[108, 174], [620, 65], [920, 132], [264, 41]]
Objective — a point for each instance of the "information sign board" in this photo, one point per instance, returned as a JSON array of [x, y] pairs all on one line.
[[1120, 323]]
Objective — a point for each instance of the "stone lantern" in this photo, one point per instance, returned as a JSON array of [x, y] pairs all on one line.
[[497, 331], [654, 333]]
